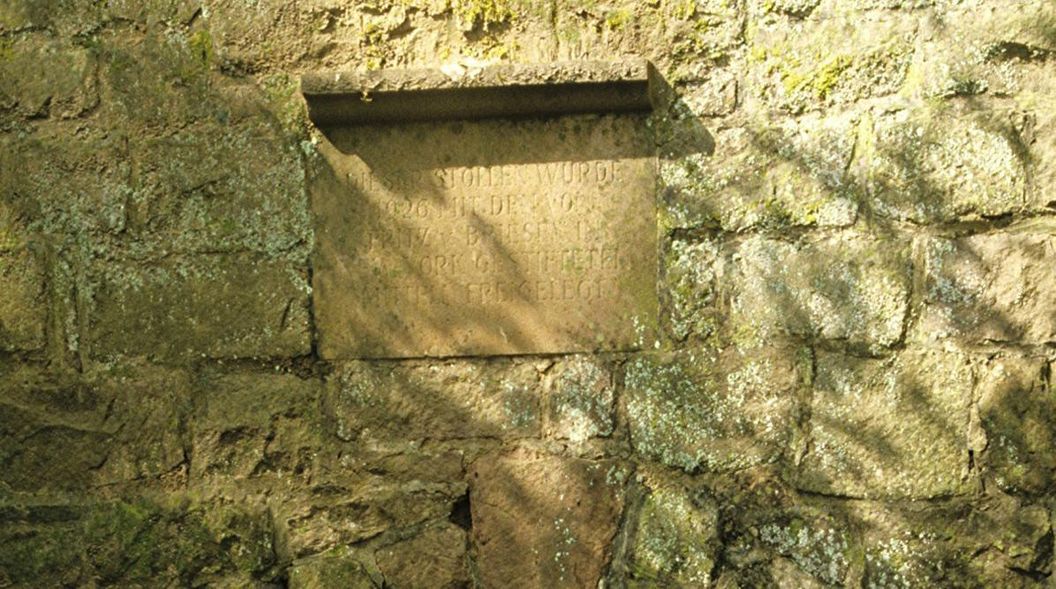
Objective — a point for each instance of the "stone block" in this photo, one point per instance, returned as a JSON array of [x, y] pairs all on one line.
[[23, 307], [706, 410], [852, 288], [185, 309], [580, 397], [252, 424], [1016, 405], [822, 62], [675, 539], [42, 78], [436, 557], [891, 428], [785, 174], [989, 288], [218, 188], [543, 520], [114, 428], [930, 165], [443, 401]]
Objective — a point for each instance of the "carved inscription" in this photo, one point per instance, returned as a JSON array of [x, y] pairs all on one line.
[[486, 238]]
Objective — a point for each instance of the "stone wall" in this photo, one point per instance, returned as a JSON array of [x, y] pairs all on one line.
[[852, 388]]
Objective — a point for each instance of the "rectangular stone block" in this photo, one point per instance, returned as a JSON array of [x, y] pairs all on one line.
[[925, 166], [1016, 405], [446, 401], [492, 237], [220, 306], [249, 424], [544, 521], [705, 410], [891, 428], [851, 287], [23, 309], [990, 288]]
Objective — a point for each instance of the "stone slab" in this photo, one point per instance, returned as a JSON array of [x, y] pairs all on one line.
[[489, 238]]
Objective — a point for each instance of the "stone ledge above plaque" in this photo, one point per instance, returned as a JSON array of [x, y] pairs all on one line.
[[458, 220]]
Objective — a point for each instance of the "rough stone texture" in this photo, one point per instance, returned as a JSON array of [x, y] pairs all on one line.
[[248, 424], [544, 520], [706, 410], [991, 287], [115, 427], [921, 165], [445, 568], [850, 288], [443, 401], [676, 537], [792, 173], [855, 328], [330, 571], [205, 307], [135, 543], [581, 395], [1016, 402], [64, 86], [895, 428], [692, 297], [820, 62], [22, 312]]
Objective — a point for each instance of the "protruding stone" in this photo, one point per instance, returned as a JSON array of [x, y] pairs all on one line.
[[850, 288], [893, 428], [990, 288], [703, 410], [543, 520]]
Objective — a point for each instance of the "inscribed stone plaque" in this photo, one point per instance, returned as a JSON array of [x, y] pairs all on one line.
[[486, 238]]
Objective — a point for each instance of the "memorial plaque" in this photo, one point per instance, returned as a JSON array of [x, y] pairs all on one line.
[[486, 237]]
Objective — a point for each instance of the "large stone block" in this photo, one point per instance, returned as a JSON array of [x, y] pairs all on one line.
[[990, 288], [114, 428], [218, 188], [889, 428], [441, 401], [789, 173], [543, 520], [251, 424], [184, 309], [850, 287], [675, 537], [705, 410], [1016, 405], [23, 308], [40, 78], [930, 165]]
